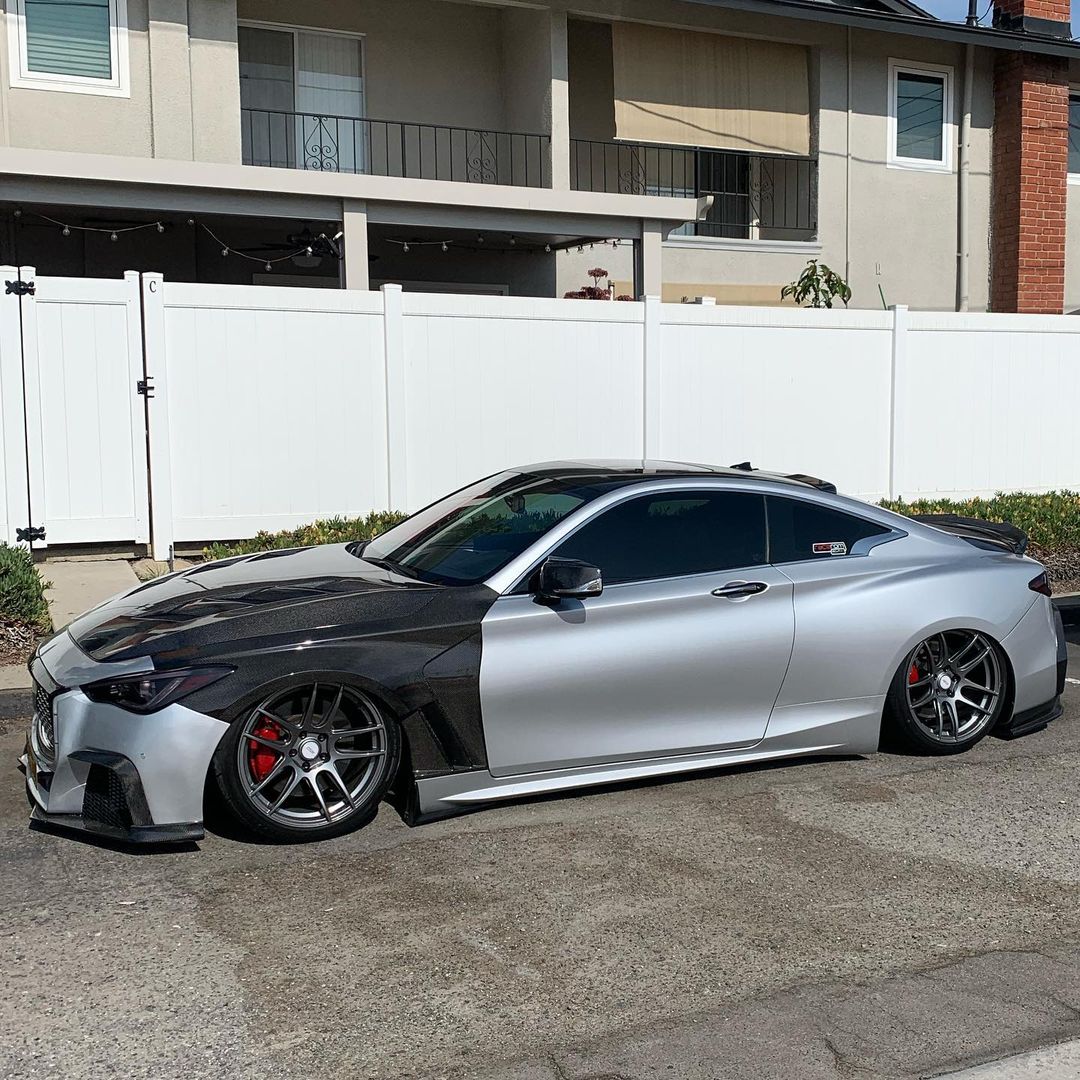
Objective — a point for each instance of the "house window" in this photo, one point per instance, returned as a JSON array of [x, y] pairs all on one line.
[[72, 45], [1074, 136], [920, 105], [302, 99]]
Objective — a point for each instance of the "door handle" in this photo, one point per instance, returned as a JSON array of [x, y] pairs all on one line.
[[735, 590]]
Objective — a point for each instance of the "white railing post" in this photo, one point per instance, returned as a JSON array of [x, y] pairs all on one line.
[[651, 383], [897, 393], [156, 372], [13, 473], [397, 496]]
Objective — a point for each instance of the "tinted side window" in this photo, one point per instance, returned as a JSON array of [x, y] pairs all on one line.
[[672, 534], [802, 530]]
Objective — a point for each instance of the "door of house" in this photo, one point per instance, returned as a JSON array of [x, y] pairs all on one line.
[[302, 99], [72, 417]]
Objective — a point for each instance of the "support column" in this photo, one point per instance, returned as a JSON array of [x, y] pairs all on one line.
[[170, 80], [649, 269], [354, 222], [560, 103]]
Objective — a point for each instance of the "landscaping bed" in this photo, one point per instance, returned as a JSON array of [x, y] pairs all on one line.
[[337, 530], [24, 614], [1051, 521]]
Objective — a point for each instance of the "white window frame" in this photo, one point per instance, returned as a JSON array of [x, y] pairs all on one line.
[[1074, 92], [948, 126], [21, 77]]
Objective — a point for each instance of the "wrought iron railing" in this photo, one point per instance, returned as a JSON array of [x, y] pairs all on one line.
[[394, 148], [755, 196]]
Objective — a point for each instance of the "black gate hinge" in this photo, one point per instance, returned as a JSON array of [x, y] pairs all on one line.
[[20, 288], [146, 386], [30, 535]]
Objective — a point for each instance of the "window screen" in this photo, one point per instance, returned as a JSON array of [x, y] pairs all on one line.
[[65, 38], [920, 116], [672, 534], [796, 528]]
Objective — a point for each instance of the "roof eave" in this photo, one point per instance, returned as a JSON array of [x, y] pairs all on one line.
[[984, 36]]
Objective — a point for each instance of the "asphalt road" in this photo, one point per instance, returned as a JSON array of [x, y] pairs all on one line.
[[891, 916]]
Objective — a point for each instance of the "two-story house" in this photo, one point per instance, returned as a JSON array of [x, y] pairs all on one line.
[[690, 147]]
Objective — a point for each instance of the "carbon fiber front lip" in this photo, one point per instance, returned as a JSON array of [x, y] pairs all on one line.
[[176, 833]]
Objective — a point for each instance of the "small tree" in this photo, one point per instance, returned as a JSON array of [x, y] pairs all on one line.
[[596, 291], [817, 286]]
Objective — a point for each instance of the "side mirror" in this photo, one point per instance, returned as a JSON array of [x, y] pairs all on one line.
[[568, 579]]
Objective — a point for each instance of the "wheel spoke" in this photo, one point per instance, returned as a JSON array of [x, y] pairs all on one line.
[[327, 720], [309, 712], [270, 777], [923, 700], [984, 691], [964, 649], [262, 741], [351, 754], [288, 725], [290, 787], [313, 783], [948, 709], [331, 771], [972, 664]]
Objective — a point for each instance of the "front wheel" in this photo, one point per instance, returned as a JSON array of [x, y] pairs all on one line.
[[308, 763], [948, 693]]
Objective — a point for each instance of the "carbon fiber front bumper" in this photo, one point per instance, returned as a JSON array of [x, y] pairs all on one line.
[[110, 772]]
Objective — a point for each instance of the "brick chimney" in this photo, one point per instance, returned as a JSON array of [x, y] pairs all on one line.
[[1030, 164]]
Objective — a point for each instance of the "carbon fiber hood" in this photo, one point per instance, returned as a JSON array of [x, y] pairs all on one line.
[[259, 601]]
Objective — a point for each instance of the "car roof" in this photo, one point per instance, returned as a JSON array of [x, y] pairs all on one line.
[[620, 472]]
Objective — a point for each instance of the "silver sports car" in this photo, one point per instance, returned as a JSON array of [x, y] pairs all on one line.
[[551, 627]]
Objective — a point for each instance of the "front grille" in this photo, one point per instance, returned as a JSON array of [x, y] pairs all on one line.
[[44, 729], [104, 801]]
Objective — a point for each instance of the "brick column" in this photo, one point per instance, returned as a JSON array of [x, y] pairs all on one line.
[[1029, 166]]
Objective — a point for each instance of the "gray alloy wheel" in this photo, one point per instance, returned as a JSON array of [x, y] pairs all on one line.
[[953, 690], [314, 758]]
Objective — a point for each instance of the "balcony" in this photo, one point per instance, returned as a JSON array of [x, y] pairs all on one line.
[[755, 196], [416, 151]]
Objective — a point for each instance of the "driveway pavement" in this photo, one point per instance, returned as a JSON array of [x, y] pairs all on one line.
[[892, 916]]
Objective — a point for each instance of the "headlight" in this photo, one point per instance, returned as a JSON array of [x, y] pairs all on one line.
[[154, 690]]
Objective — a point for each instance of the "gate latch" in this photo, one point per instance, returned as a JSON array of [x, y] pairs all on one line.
[[31, 534], [19, 288], [146, 386]]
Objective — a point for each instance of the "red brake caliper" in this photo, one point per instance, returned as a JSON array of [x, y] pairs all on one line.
[[913, 675], [262, 759]]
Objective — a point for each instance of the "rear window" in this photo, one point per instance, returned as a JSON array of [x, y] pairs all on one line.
[[801, 530]]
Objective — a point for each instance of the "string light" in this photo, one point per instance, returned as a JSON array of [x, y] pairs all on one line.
[[405, 248], [267, 264], [112, 232], [445, 246]]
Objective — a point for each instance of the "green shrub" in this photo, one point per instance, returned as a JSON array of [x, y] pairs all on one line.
[[1051, 521], [331, 531], [22, 591]]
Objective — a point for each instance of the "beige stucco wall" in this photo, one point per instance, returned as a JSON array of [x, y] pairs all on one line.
[[882, 226], [184, 95], [426, 60]]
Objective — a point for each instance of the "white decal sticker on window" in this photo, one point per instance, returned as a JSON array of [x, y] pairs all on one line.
[[830, 547]]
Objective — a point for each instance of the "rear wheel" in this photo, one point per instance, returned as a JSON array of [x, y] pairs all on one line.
[[948, 693], [308, 763]]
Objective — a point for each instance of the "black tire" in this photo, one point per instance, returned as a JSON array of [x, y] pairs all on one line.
[[367, 769], [912, 728]]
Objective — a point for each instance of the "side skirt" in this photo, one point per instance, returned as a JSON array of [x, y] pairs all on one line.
[[856, 732]]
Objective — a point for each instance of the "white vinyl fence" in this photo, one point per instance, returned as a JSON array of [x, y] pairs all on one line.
[[271, 407]]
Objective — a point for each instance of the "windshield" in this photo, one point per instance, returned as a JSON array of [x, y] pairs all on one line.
[[468, 536]]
